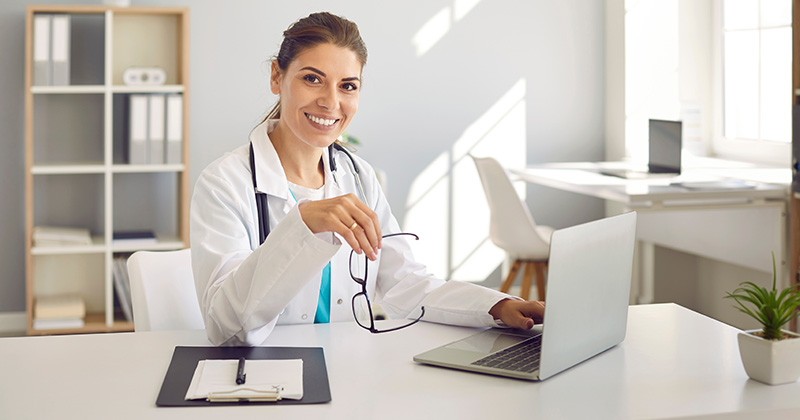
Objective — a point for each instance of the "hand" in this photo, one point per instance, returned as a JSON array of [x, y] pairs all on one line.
[[338, 215], [518, 313]]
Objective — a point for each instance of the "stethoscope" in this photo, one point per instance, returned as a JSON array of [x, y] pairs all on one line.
[[261, 197]]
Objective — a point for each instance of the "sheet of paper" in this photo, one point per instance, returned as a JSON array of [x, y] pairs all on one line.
[[263, 378]]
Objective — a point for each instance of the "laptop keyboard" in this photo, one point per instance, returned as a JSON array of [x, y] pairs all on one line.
[[521, 357]]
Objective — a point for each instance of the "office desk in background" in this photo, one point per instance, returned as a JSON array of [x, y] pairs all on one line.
[[674, 363], [735, 225]]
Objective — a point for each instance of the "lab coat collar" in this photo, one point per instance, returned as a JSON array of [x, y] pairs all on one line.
[[270, 177]]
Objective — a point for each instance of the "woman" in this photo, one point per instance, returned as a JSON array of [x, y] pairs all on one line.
[[313, 200]]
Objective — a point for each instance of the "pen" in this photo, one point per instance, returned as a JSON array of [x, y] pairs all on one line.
[[240, 375]]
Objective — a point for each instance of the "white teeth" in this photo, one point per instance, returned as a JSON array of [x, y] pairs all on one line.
[[320, 121]]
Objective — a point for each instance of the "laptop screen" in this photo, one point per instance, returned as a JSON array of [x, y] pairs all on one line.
[[665, 147]]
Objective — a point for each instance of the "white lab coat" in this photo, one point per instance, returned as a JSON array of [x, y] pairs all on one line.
[[245, 289]]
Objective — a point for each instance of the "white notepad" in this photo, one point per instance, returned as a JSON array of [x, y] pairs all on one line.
[[266, 380]]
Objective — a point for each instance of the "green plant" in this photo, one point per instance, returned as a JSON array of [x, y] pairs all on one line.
[[769, 307]]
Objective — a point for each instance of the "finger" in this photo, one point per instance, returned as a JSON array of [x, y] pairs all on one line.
[[364, 242], [371, 233], [533, 310], [527, 323], [522, 321], [376, 222], [373, 224], [348, 235], [359, 226], [351, 208]]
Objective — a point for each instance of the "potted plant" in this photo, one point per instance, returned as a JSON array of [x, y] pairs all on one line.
[[770, 355]]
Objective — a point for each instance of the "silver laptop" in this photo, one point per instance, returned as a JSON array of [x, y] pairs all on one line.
[[586, 311], [665, 142]]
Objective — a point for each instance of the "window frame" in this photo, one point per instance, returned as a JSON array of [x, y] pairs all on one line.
[[749, 150]]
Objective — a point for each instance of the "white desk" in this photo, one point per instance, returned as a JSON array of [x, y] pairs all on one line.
[[674, 363], [737, 226]]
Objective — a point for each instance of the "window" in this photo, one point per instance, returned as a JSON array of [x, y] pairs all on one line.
[[756, 79]]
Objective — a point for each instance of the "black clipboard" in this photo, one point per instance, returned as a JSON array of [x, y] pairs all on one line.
[[316, 389]]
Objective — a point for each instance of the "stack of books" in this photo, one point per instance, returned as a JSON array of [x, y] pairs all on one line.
[[58, 312], [134, 238], [60, 236]]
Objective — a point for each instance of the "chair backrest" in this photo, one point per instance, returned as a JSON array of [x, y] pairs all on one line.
[[163, 291], [511, 226]]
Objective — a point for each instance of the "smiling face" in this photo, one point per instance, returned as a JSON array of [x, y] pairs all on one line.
[[318, 94]]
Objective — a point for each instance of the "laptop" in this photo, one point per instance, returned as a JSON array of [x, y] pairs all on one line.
[[586, 311], [665, 153]]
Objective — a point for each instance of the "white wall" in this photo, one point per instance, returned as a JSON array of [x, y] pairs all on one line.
[[413, 107]]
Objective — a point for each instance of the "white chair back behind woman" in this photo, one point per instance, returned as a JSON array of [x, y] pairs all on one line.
[[163, 291]]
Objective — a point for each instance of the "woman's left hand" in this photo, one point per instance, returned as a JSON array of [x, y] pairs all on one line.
[[518, 313]]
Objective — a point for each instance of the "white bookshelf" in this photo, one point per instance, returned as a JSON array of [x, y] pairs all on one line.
[[77, 173]]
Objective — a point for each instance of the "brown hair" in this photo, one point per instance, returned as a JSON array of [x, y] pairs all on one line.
[[317, 28]]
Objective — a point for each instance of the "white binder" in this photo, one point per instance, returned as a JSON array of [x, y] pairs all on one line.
[[137, 140], [174, 149], [60, 49], [156, 137], [41, 50]]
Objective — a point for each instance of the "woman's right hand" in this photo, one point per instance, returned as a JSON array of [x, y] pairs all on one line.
[[349, 217]]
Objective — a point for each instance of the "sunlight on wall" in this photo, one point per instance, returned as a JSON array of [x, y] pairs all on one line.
[[432, 31], [446, 203], [651, 70], [439, 24], [462, 7]]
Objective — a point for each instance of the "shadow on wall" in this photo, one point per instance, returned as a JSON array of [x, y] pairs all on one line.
[[481, 78]]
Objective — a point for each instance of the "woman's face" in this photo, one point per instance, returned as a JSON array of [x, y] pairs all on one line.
[[318, 93]]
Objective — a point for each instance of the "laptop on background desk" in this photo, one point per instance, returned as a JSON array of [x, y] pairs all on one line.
[[586, 311], [665, 153]]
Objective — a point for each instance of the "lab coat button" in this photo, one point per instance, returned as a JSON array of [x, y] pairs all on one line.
[[339, 302], [305, 316]]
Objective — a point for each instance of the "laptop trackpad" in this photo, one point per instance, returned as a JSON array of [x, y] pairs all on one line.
[[488, 341]]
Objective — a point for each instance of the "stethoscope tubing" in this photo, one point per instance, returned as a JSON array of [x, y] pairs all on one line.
[[261, 198]]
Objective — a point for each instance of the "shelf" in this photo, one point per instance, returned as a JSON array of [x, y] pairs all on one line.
[[128, 169], [98, 246], [89, 89], [68, 129], [77, 149], [99, 168], [166, 244], [148, 39], [147, 89], [38, 90], [63, 169], [93, 323]]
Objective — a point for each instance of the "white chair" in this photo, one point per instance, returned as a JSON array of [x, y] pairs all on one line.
[[163, 292], [511, 227]]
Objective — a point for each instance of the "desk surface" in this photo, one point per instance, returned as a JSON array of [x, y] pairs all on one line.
[[585, 178], [674, 363]]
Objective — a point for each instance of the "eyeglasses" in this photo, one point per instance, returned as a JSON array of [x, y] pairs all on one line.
[[361, 299]]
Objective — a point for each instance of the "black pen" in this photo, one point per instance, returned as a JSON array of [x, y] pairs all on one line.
[[240, 375]]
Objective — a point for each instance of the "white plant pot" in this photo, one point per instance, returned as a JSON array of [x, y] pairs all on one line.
[[772, 362]]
